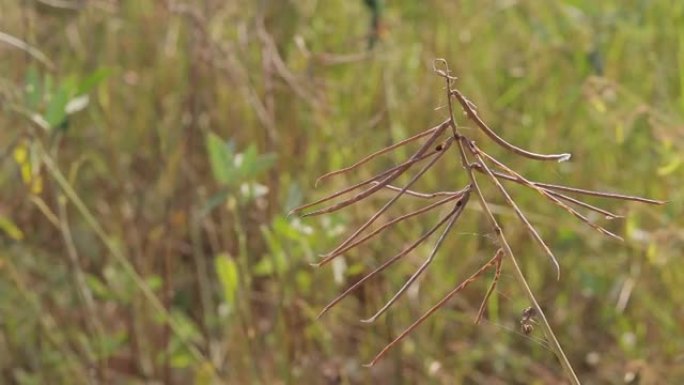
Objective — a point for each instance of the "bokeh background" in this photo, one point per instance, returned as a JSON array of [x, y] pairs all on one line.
[[150, 152]]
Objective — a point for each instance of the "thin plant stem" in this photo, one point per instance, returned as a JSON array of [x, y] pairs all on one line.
[[497, 274], [370, 180], [375, 155], [458, 209], [575, 190], [431, 311], [389, 203], [520, 277], [558, 195], [386, 180], [533, 232], [423, 195], [543, 193], [147, 292], [329, 257], [388, 263]]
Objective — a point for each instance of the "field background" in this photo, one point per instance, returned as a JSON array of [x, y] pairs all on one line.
[[151, 150]]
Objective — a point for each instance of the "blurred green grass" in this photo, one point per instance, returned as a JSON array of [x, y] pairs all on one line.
[[284, 92]]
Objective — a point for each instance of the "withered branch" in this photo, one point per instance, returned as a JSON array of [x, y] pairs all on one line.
[[472, 158]]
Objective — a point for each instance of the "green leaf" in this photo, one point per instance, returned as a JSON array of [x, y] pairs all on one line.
[[10, 228], [99, 288], [34, 89], [91, 81], [154, 282], [254, 164], [263, 268], [221, 159], [231, 168], [56, 114], [227, 272], [181, 359], [214, 201]]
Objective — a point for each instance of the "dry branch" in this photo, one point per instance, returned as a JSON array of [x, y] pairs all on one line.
[[466, 149]]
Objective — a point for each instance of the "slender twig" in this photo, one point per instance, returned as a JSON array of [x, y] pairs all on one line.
[[328, 257], [463, 143], [497, 274], [388, 263], [370, 180], [433, 309], [606, 213], [564, 197], [520, 277], [543, 192], [395, 198], [458, 210], [423, 195], [600, 194], [375, 155], [386, 180]]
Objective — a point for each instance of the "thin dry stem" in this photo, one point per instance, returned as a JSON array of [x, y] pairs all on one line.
[[460, 205], [554, 344], [389, 203], [328, 257], [400, 170], [497, 274], [370, 180], [423, 195], [375, 155], [543, 192], [388, 263], [533, 232], [433, 309], [600, 194], [608, 214]]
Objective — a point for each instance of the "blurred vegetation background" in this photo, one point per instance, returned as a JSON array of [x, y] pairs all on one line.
[[150, 151]]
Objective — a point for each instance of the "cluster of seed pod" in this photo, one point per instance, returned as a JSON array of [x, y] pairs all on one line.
[[437, 141]]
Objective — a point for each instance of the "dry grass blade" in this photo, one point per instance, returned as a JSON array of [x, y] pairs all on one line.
[[543, 192], [375, 155], [433, 309], [29, 49], [515, 207], [328, 257], [389, 203], [469, 109], [497, 274], [458, 209], [387, 263]]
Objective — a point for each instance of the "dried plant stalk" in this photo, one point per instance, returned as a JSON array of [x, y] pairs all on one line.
[[466, 150]]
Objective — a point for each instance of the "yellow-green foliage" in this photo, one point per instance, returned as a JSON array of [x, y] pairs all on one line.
[[151, 149]]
